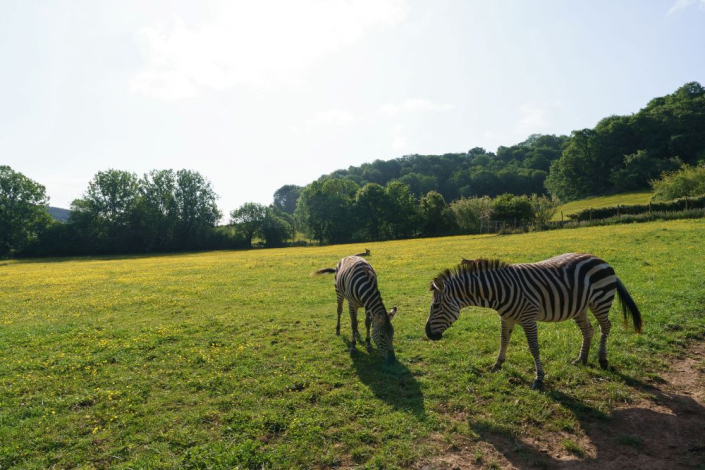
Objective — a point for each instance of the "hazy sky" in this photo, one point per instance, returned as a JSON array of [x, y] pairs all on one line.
[[255, 95]]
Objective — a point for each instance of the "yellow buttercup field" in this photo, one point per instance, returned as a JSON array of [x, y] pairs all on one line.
[[226, 359]]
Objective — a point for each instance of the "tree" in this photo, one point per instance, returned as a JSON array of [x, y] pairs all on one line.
[[514, 210], [103, 217], [249, 220], [276, 229], [286, 197], [372, 207], [435, 216], [687, 182], [401, 220], [326, 210], [158, 189], [544, 208], [470, 212], [196, 207], [23, 210]]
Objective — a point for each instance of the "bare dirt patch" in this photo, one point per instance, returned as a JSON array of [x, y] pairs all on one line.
[[665, 432]]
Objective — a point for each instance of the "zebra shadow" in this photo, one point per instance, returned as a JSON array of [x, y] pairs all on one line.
[[665, 432], [392, 383]]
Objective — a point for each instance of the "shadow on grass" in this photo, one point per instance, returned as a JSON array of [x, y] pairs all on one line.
[[665, 432], [392, 383]]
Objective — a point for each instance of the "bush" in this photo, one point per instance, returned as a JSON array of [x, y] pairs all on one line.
[[687, 182]]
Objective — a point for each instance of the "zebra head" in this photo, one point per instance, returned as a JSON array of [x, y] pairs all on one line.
[[383, 334], [444, 311]]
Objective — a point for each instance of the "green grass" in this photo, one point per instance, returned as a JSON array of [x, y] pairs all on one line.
[[225, 359], [624, 199]]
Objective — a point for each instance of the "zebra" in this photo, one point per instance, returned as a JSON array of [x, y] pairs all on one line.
[[364, 253], [356, 282], [555, 289]]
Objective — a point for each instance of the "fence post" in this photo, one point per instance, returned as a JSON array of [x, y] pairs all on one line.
[[591, 214], [649, 208]]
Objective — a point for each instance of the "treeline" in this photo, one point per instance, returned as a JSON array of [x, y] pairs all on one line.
[[416, 195], [622, 153], [164, 210]]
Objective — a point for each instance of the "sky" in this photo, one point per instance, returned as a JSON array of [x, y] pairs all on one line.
[[255, 95]]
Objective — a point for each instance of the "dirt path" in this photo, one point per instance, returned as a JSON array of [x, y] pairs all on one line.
[[667, 432]]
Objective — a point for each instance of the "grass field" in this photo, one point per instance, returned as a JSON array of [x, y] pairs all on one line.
[[226, 359], [624, 199]]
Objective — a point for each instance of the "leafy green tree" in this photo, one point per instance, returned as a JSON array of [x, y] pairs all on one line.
[[23, 210], [326, 210], [688, 181], [470, 212], [103, 217], [543, 208], [436, 218], [402, 218], [372, 207], [640, 168], [276, 229], [159, 208], [286, 197], [196, 207], [514, 210], [249, 220]]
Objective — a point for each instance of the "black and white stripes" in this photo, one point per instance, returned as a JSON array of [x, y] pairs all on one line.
[[356, 282], [555, 289]]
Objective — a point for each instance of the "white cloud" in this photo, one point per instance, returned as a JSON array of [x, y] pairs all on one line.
[[167, 85], [682, 4], [399, 141], [257, 44], [330, 117], [412, 106], [533, 118]]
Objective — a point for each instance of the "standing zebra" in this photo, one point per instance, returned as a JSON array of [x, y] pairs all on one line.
[[356, 282], [555, 289]]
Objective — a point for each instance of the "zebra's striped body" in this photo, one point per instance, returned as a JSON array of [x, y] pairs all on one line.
[[356, 282], [555, 289]]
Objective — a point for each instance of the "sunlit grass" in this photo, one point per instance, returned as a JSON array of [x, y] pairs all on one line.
[[624, 199], [230, 358]]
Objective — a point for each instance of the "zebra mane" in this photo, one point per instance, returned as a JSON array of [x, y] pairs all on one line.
[[475, 266]]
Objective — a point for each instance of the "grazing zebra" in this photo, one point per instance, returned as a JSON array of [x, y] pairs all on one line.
[[555, 289], [356, 281]]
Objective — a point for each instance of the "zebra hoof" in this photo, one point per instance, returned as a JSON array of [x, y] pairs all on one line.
[[337, 332], [496, 368], [579, 362], [604, 364], [369, 348], [537, 385]]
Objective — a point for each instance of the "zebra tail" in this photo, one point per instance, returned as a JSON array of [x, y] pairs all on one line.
[[323, 271], [628, 304]]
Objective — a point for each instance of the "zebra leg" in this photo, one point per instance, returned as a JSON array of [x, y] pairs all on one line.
[[587, 331], [602, 316], [507, 328], [529, 325], [340, 310], [353, 326], [368, 323]]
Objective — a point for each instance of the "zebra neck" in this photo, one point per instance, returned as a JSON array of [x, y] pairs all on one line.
[[484, 290], [375, 305]]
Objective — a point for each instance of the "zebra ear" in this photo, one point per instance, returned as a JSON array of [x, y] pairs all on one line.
[[438, 285], [392, 312]]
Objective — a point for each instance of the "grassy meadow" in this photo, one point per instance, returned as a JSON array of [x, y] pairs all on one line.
[[228, 359], [624, 199]]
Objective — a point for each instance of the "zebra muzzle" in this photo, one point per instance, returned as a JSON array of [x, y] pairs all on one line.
[[431, 335]]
